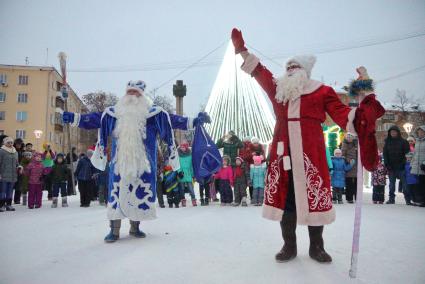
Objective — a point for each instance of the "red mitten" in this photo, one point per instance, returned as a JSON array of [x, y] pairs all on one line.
[[364, 123], [238, 41]]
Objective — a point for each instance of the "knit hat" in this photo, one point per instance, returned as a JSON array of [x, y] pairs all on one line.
[[138, 86], [7, 140], [257, 159], [409, 155], [27, 154], [255, 140], [305, 61], [168, 168], [240, 159], [337, 151], [36, 155], [411, 138]]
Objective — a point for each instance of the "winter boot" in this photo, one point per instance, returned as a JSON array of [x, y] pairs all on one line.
[[24, 199], [390, 201], [317, 250], [135, 231], [207, 201], [183, 202], [244, 203], [194, 202], [170, 205], [2, 208], [64, 201], [55, 202], [202, 202], [9, 205], [114, 234], [340, 198], [288, 226]]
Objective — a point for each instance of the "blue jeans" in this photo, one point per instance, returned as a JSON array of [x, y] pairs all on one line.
[[6, 190], [393, 176], [258, 195], [59, 186], [189, 186]]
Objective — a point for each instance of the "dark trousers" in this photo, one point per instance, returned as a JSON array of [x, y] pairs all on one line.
[[226, 194], [59, 187], [337, 193], [173, 197], [18, 190], [420, 189], [251, 189], [70, 189], [350, 188], [86, 189], [290, 206], [378, 194], [160, 191], [393, 176], [48, 186], [204, 188]]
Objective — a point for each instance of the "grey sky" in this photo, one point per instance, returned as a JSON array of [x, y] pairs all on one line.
[[97, 34]]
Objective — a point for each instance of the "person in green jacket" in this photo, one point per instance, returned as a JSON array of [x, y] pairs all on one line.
[[59, 177], [231, 145], [186, 171]]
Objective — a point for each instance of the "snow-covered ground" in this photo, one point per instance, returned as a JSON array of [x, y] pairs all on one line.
[[206, 245]]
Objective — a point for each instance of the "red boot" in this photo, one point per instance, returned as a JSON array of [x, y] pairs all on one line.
[[194, 202], [183, 202]]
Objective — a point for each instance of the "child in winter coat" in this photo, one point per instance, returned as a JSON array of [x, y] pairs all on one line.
[[225, 182], [241, 178], [186, 167], [170, 185], [26, 159], [412, 181], [379, 181], [59, 177], [257, 175], [339, 169], [35, 172], [204, 190]]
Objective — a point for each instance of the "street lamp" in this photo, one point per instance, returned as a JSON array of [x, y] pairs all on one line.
[[408, 127], [37, 134]]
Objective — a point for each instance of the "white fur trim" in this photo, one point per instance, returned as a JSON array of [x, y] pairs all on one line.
[[304, 216], [190, 123], [280, 148], [350, 126], [311, 86], [173, 160], [286, 163], [272, 213], [250, 63], [77, 118]]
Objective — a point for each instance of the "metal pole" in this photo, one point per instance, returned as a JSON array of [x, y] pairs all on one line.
[[62, 61]]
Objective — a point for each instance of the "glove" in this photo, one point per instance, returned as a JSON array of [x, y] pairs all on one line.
[[238, 41], [364, 123], [68, 117], [202, 118]]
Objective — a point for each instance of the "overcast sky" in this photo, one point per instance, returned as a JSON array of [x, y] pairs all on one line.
[[146, 35]]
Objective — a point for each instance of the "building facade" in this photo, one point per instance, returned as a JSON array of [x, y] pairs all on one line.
[[30, 105]]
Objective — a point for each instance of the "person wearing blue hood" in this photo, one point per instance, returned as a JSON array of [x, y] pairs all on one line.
[[339, 169]]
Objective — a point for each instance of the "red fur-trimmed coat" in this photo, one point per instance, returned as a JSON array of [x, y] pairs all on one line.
[[298, 144]]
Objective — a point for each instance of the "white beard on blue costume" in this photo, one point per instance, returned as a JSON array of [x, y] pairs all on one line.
[[131, 162]]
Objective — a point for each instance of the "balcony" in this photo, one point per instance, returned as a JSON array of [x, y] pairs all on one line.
[[58, 122], [59, 101]]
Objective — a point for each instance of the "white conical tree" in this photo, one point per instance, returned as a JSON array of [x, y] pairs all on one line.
[[238, 103]]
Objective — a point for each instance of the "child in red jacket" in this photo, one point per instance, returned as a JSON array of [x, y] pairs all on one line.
[[225, 182], [35, 172]]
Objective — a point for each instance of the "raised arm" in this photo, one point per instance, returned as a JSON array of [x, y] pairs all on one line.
[[253, 66]]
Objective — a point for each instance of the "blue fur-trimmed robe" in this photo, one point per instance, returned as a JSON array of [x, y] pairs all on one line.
[[136, 200]]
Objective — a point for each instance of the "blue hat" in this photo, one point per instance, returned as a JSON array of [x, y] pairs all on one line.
[[138, 86]]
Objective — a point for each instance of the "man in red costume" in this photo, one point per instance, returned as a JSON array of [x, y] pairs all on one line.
[[297, 183]]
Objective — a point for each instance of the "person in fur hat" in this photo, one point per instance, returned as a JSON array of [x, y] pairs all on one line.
[[298, 165], [134, 124]]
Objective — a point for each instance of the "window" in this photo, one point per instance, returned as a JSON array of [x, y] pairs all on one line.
[[50, 136], [23, 98], [3, 79], [21, 116], [2, 115], [389, 116], [52, 119], [23, 80], [21, 134], [2, 97]]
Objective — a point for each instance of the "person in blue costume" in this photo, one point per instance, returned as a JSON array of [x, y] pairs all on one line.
[[133, 125]]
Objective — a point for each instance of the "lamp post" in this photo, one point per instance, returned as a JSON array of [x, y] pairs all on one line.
[[37, 134], [408, 127], [179, 91]]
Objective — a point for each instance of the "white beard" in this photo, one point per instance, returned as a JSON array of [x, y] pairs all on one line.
[[131, 157], [291, 86]]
